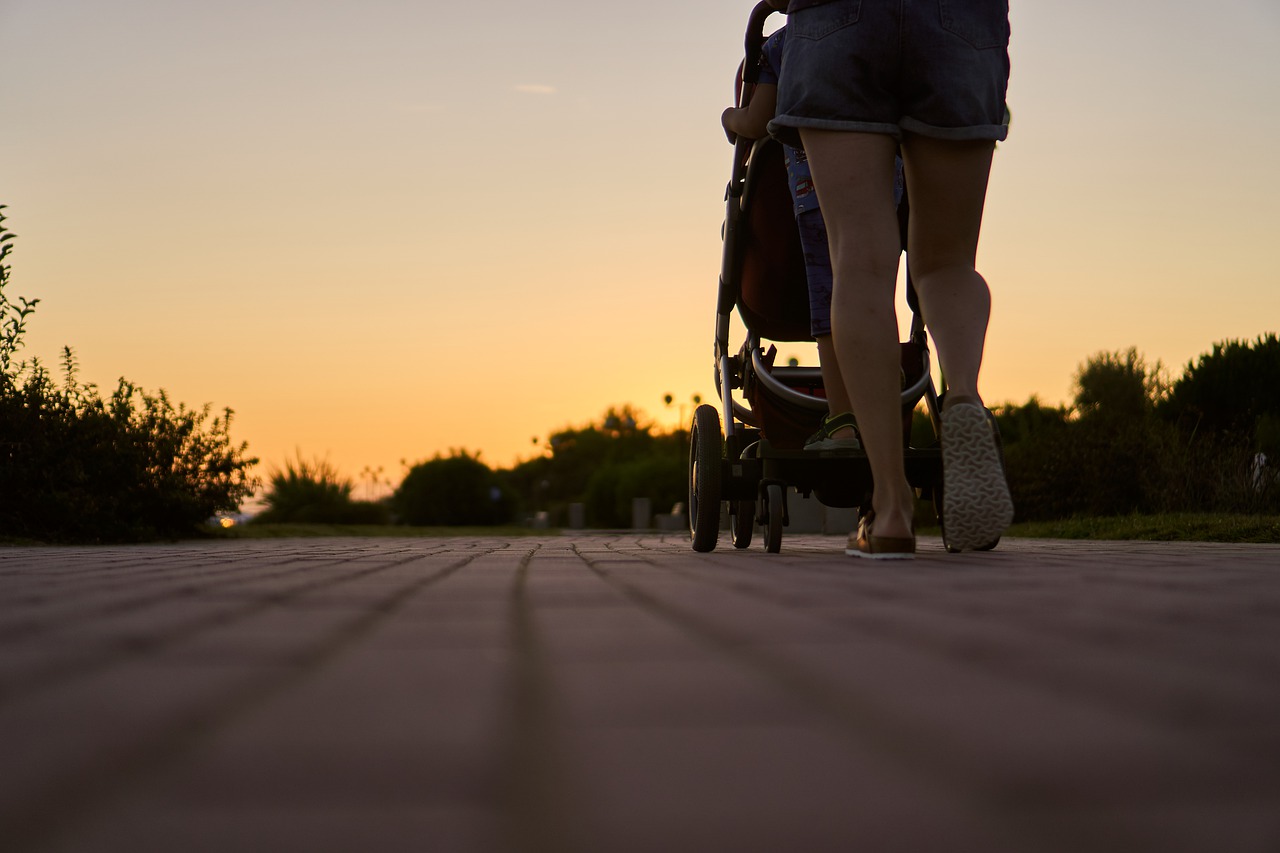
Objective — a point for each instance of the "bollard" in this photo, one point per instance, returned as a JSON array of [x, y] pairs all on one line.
[[641, 513]]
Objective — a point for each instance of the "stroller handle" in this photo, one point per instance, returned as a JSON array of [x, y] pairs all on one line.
[[754, 42], [753, 45]]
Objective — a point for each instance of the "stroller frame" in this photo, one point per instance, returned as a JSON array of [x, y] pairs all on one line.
[[745, 466]]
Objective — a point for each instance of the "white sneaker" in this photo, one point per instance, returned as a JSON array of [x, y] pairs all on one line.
[[976, 505]]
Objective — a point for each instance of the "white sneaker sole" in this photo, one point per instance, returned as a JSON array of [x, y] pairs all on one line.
[[976, 505], [863, 555]]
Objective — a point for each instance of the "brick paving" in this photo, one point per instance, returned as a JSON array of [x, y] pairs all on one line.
[[622, 693]]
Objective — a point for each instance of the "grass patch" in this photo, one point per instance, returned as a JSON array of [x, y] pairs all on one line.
[[312, 531], [1174, 527], [1178, 527]]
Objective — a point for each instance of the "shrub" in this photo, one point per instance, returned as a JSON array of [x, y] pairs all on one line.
[[313, 493], [1132, 443], [1109, 455], [611, 490], [78, 467], [605, 465], [457, 489], [1231, 392]]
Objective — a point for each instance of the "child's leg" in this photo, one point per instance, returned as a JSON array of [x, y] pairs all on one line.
[[817, 262], [833, 381]]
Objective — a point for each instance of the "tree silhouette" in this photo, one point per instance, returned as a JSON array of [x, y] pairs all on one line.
[[1117, 385], [1232, 391], [457, 489]]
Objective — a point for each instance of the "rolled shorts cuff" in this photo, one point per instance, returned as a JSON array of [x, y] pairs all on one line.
[[786, 129], [994, 132]]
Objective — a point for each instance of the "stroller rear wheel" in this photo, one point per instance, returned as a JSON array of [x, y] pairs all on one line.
[[704, 478]]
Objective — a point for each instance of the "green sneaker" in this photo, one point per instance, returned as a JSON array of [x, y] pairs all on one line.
[[822, 440]]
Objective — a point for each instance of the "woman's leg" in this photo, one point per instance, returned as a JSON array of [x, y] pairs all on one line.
[[853, 174], [948, 185]]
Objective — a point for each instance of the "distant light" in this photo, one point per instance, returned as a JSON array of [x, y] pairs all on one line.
[[228, 522]]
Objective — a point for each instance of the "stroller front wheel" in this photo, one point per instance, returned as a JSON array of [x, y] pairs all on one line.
[[705, 444]]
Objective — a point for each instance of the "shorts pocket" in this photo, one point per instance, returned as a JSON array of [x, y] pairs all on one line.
[[820, 21], [982, 23]]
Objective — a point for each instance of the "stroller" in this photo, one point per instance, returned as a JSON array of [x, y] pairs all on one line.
[[760, 451]]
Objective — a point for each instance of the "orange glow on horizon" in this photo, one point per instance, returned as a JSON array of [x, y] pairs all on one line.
[[300, 220]]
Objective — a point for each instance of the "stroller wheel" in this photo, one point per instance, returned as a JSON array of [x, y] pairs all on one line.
[[704, 478], [774, 508], [744, 522]]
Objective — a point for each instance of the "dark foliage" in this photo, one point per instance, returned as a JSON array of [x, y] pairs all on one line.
[[659, 476], [605, 465], [457, 489], [1232, 392], [1129, 444], [78, 467], [313, 493]]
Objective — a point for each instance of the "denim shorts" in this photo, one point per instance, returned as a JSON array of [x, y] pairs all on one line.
[[938, 68]]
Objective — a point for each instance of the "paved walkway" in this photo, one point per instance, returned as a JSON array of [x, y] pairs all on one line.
[[621, 693]]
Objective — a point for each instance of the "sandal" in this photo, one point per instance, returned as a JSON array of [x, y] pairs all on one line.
[[822, 440], [864, 543]]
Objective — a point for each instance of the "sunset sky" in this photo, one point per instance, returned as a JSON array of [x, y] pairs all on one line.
[[381, 229]]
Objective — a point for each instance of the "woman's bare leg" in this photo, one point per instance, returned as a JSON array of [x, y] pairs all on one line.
[[948, 185], [853, 174]]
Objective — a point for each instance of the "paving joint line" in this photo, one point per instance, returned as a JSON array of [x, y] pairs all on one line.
[[536, 800], [856, 718], [136, 648], [1033, 674], [62, 805]]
